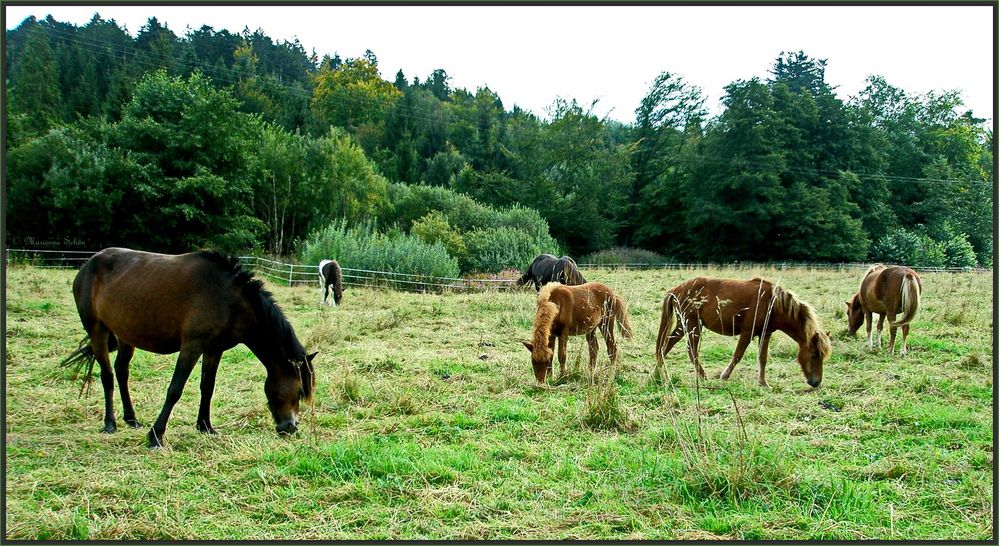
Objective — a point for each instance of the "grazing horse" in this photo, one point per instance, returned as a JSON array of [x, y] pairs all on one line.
[[887, 291], [330, 275], [546, 268], [565, 311], [748, 309], [201, 303]]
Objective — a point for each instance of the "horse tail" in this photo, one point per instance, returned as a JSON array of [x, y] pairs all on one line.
[[82, 360], [909, 300], [666, 325], [621, 314]]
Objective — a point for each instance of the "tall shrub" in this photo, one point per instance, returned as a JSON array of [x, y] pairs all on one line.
[[363, 247]]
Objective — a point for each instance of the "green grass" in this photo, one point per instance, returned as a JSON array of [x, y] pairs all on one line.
[[427, 424]]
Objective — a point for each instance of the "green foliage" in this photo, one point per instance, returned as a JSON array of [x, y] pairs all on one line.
[[363, 247], [624, 255], [434, 228], [491, 240], [230, 134], [353, 94], [491, 250], [910, 248]]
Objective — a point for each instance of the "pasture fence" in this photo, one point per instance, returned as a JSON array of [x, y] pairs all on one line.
[[290, 274]]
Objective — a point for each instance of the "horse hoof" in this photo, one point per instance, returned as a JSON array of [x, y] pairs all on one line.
[[207, 429], [109, 428], [134, 423], [155, 440]]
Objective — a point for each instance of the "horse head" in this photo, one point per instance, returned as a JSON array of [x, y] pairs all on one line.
[[854, 314], [286, 386], [541, 360], [812, 354]]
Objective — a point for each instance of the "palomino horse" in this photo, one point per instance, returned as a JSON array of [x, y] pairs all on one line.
[[749, 309], [887, 291], [201, 303], [565, 311], [546, 268], [330, 275]]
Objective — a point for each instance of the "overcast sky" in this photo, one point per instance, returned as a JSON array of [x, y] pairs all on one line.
[[531, 55]]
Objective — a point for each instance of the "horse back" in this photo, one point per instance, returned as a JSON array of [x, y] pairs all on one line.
[[725, 306], [581, 307], [153, 301], [881, 289]]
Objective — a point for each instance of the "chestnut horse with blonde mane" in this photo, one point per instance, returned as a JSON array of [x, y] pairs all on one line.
[[887, 291], [565, 311], [748, 309]]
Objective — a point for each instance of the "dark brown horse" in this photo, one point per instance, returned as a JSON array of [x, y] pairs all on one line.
[[747, 309], [330, 275], [565, 311], [201, 303], [888, 291], [547, 268]]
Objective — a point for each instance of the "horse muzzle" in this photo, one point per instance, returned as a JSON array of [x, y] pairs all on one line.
[[814, 382], [288, 427]]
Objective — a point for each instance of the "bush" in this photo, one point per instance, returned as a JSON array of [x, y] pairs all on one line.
[[624, 255], [493, 250], [362, 247], [902, 246], [959, 252], [481, 238], [410, 203], [434, 228]]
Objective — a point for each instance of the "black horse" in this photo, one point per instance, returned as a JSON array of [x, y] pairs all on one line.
[[201, 303], [546, 268], [330, 275]]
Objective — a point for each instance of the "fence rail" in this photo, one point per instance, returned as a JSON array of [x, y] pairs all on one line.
[[297, 274]]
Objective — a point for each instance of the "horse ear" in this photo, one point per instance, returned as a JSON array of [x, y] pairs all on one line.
[[310, 357], [530, 347]]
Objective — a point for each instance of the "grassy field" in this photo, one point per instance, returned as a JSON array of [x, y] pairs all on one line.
[[428, 424]]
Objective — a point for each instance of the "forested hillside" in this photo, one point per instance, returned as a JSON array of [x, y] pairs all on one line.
[[171, 142]]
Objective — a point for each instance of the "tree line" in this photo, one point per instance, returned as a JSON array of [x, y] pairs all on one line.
[[236, 141]]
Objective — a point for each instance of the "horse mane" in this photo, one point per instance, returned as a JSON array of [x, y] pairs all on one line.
[[870, 270], [571, 271], [801, 312], [267, 311], [543, 320]]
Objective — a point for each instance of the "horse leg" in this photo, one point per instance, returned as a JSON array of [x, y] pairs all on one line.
[[209, 367], [121, 363], [610, 342], [563, 342], [892, 330], [869, 320], [764, 348], [99, 344], [740, 349], [185, 363], [905, 334], [591, 342], [673, 339], [881, 327], [607, 329], [693, 340]]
